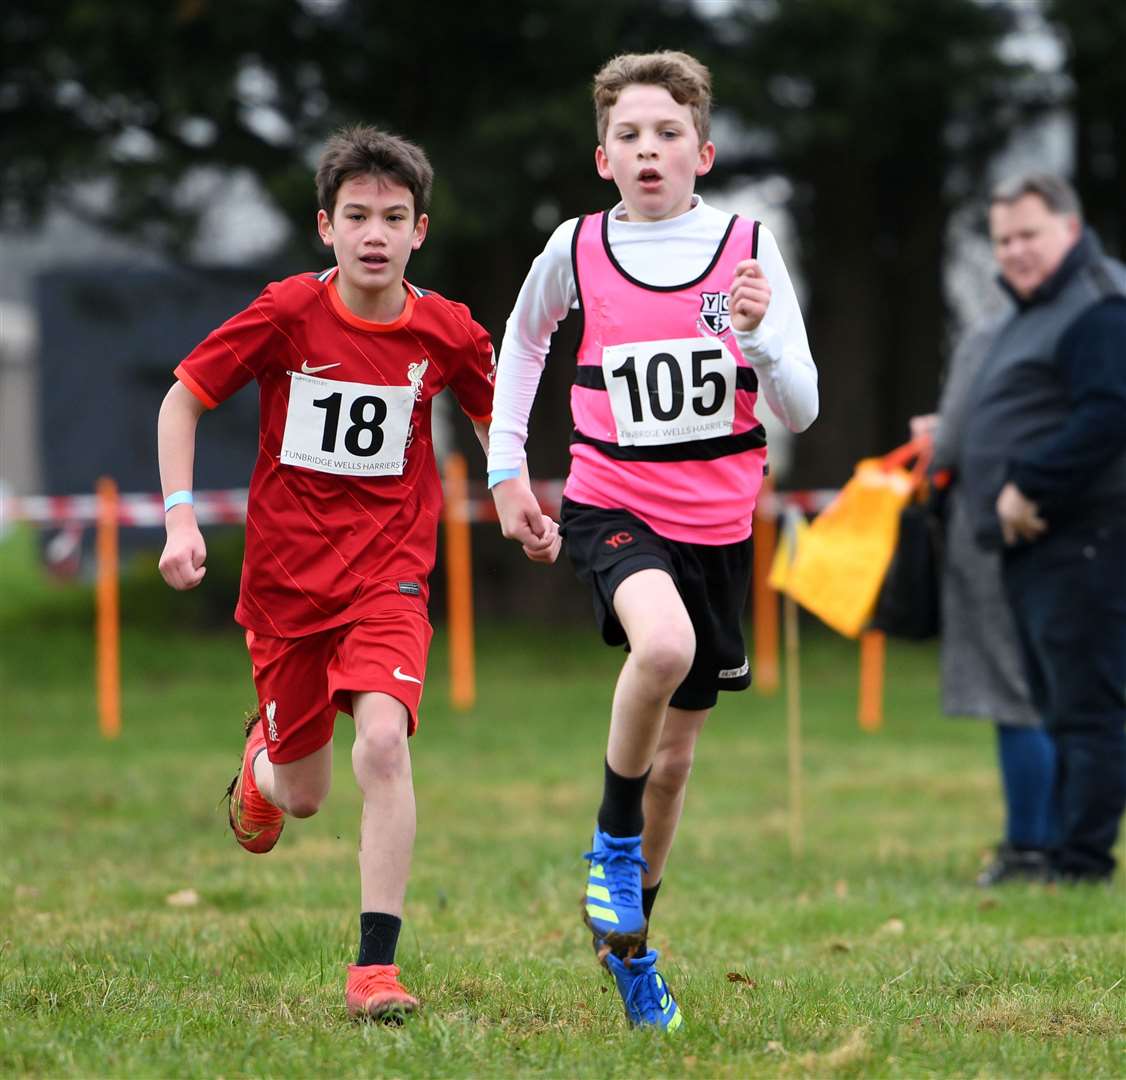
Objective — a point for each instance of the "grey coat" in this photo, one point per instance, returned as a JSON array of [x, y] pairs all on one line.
[[982, 672]]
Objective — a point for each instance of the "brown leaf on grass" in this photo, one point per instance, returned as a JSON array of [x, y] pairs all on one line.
[[775, 1047], [988, 903], [689, 1062], [840, 946], [840, 890], [183, 898], [893, 926], [739, 977]]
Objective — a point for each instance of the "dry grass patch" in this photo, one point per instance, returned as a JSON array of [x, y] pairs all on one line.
[[1057, 1021]]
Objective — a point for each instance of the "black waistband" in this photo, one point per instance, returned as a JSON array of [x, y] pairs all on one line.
[[697, 450], [592, 377]]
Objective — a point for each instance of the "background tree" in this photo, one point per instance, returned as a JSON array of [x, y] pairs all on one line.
[[881, 115], [156, 101], [1095, 31]]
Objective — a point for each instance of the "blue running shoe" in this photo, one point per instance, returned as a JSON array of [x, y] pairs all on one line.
[[612, 905], [647, 997]]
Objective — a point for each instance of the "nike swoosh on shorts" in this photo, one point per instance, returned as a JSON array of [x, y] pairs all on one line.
[[398, 674]]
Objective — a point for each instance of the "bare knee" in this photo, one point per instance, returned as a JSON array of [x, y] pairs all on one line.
[[300, 788], [301, 799], [380, 751], [665, 658], [304, 805]]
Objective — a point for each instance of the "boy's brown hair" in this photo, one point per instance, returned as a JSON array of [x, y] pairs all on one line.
[[683, 76], [363, 150]]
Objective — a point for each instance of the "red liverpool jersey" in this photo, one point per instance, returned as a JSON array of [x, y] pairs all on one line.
[[344, 501]]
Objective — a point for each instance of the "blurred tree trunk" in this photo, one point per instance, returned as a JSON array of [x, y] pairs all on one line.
[[883, 117], [1096, 31], [877, 318]]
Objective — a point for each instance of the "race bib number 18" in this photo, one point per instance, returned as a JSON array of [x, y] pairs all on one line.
[[352, 429], [671, 391]]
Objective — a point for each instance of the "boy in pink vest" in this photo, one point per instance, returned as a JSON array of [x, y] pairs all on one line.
[[688, 313]]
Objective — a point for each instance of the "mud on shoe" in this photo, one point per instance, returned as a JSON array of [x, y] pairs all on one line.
[[612, 904]]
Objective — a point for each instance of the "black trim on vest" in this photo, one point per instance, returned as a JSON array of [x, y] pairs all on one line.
[[697, 450], [578, 288], [592, 377], [668, 288]]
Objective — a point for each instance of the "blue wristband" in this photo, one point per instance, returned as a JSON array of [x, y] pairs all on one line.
[[497, 475], [176, 498]]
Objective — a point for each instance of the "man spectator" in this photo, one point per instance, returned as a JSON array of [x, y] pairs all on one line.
[[1043, 469]]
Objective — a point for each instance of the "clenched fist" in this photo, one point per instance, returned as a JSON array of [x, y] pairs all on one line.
[[750, 295]]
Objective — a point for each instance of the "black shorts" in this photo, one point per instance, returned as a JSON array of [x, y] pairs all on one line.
[[607, 546]]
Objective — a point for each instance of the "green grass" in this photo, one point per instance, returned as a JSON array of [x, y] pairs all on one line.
[[868, 955]]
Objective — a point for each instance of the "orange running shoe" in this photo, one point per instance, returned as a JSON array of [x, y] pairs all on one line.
[[256, 823], [374, 990]]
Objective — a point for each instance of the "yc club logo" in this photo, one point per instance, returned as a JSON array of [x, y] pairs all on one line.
[[619, 540]]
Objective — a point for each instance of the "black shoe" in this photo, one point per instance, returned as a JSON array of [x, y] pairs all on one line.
[[1067, 875], [1016, 864]]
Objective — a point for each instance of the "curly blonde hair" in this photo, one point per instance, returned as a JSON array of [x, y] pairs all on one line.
[[683, 76]]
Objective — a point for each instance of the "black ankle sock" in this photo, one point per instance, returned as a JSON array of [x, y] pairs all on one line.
[[379, 934], [648, 898], [620, 812]]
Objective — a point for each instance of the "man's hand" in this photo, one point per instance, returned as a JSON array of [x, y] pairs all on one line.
[[750, 295], [181, 563], [522, 520], [1020, 517], [923, 427]]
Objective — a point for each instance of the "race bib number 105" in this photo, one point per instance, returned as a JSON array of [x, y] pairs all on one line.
[[352, 429], [671, 391]]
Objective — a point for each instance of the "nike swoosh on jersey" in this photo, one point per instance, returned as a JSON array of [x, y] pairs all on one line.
[[398, 674], [307, 370]]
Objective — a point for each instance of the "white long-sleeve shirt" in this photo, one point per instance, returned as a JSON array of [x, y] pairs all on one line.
[[656, 253]]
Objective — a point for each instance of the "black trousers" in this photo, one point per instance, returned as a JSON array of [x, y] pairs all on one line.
[[1068, 596]]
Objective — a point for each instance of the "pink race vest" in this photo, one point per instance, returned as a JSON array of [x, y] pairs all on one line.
[[663, 402]]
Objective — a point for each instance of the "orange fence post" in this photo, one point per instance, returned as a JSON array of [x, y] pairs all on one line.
[[793, 722], [107, 612], [459, 584], [765, 599], [870, 709]]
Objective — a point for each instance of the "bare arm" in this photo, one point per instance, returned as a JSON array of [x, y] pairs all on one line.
[[481, 430], [181, 563]]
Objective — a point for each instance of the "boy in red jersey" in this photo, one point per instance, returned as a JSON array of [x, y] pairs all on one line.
[[688, 315], [341, 520]]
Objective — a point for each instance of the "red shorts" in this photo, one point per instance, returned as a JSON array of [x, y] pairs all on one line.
[[303, 682]]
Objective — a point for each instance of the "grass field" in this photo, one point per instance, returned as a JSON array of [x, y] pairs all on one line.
[[137, 940]]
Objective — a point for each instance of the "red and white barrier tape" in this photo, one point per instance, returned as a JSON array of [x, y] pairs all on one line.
[[140, 509], [228, 507]]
